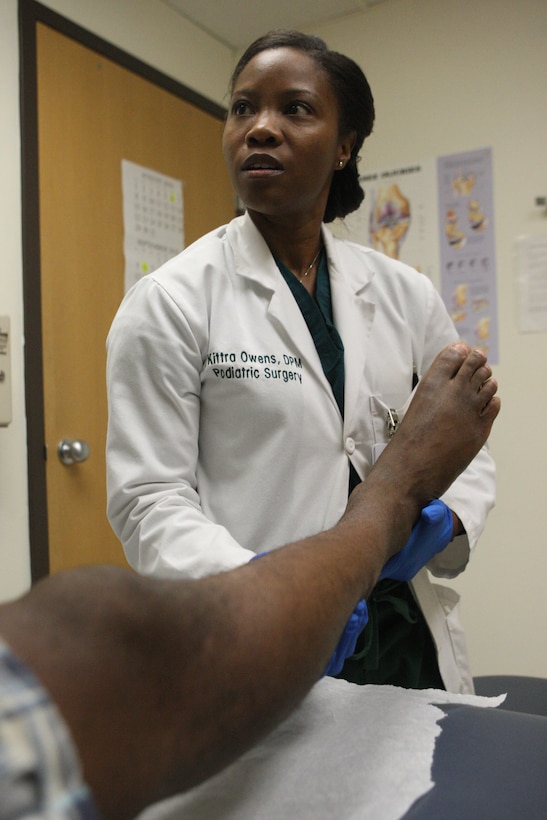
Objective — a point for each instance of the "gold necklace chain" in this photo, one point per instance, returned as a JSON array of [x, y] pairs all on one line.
[[314, 260]]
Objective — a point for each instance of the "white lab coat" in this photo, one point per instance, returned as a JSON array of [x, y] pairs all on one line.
[[224, 435]]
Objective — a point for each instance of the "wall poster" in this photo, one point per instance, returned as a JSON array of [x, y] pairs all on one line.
[[467, 243], [153, 216], [399, 216], [437, 216], [532, 283]]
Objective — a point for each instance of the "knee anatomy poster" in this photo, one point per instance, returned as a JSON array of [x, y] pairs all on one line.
[[437, 216], [398, 215]]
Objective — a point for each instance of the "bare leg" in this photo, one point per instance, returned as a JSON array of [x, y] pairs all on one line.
[[164, 683]]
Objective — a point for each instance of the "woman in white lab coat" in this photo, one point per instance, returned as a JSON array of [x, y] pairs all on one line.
[[255, 378]]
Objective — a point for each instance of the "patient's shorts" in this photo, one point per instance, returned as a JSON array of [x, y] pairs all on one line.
[[40, 774]]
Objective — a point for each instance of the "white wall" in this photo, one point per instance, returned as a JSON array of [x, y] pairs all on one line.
[[450, 77], [447, 77]]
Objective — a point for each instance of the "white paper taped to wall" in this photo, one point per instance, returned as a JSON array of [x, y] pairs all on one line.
[[532, 283], [153, 218]]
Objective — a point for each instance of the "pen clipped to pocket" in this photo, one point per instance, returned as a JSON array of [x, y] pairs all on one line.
[[386, 419]]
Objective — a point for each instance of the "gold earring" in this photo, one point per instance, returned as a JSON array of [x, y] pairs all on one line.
[[340, 163]]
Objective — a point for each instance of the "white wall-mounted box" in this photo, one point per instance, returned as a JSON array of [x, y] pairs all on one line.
[[5, 372]]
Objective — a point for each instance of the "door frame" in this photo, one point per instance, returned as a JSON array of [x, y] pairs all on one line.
[[30, 14]]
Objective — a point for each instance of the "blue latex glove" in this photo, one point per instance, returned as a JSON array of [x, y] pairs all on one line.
[[431, 534], [346, 645]]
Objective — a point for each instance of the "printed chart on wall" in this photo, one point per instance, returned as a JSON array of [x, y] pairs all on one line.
[[399, 215], [153, 216], [467, 242], [532, 283]]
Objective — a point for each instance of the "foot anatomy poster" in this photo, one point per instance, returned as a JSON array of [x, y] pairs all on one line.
[[467, 248]]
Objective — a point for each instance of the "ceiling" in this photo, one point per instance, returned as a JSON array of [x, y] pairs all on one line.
[[236, 23]]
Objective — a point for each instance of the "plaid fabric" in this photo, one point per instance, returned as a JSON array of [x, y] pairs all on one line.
[[40, 774]]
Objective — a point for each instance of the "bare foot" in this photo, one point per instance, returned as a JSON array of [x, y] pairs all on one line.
[[447, 422]]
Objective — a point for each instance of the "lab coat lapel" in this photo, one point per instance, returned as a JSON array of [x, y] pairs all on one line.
[[353, 314], [254, 262]]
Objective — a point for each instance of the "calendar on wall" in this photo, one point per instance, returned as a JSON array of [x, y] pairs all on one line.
[[153, 217]]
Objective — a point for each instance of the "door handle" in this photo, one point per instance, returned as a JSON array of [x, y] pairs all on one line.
[[71, 451]]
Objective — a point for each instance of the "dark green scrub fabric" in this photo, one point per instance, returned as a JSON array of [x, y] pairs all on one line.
[[318, 316]]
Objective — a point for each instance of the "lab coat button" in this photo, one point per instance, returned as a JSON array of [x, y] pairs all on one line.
[[350, 446]]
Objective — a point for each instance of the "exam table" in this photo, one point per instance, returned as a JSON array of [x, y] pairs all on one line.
[[491, 764], [385, 753]]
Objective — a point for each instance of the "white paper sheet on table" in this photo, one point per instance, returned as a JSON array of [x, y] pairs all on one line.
[[348, 752]]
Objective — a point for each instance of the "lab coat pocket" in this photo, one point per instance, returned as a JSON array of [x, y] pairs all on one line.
[[385, 421], [449, 601]]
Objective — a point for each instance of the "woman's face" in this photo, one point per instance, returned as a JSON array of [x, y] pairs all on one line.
[[281, 141]]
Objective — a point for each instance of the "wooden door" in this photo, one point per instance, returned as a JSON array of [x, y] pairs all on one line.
[[92, 113]]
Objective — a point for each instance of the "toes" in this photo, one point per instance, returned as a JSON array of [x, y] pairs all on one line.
[[487, 394], [451, 358], [473, 363], [491, 410], [480, 376]]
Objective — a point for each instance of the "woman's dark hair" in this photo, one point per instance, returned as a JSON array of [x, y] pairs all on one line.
[[355, 104]]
